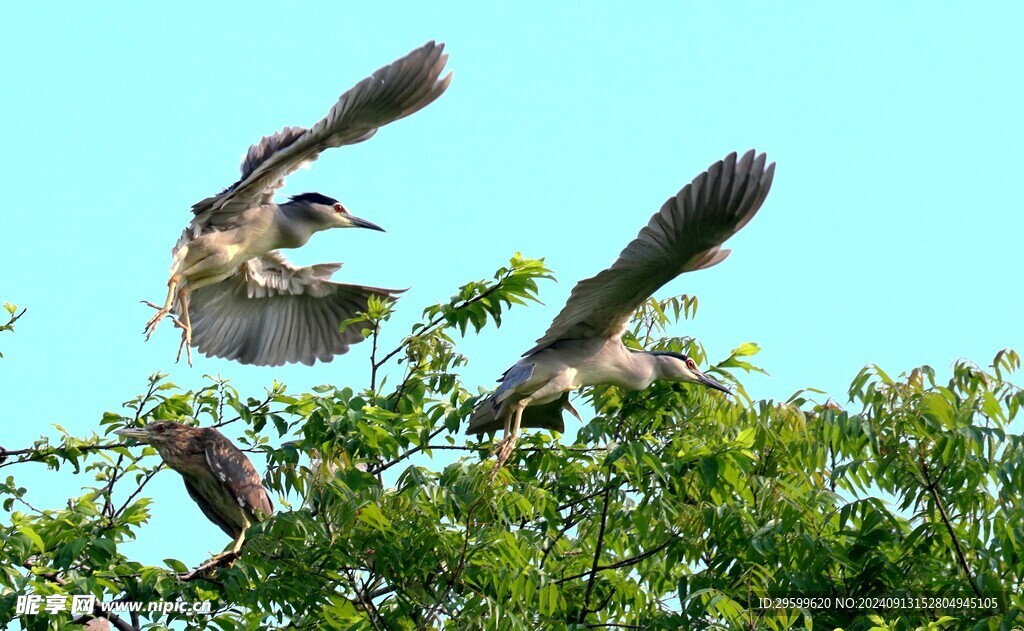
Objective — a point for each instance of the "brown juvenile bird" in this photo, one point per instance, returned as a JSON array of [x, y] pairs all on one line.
[[217, 474]]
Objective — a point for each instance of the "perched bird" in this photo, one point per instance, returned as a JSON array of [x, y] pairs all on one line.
[[217, 475], [231, 292], [583, 346]]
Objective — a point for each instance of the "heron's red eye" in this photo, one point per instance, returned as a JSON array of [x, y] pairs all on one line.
[[341, 209], [160, 429], [690, 364]]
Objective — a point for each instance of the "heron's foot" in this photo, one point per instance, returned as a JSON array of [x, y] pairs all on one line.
[[224, 559], [155, 320], [502, 452], [186, 342]]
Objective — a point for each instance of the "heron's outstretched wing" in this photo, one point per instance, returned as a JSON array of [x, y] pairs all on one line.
[[683, 236], [237, 475], [393, 92], [272, 313]]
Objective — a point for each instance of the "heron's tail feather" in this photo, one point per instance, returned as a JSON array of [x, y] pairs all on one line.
[[486, 417], [273, 313]]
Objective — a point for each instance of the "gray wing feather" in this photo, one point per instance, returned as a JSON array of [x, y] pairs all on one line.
[[268, 146], [272, 313], [392, 92], [683, 236], [517, 374], [238, 476]]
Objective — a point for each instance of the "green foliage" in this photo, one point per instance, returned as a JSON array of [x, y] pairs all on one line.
[[13, 315], [675, 507]]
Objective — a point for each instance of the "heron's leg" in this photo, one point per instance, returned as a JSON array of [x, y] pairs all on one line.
[[237, 549], [561, 383], [505, 434], [511, 434], [185, 322], [172, 285]]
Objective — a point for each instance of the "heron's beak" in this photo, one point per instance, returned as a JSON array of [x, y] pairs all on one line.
[[137, 433], [712, 383], [362, 223]]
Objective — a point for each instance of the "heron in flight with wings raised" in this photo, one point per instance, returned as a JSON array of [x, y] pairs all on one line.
[[583, 346], [231, 291]]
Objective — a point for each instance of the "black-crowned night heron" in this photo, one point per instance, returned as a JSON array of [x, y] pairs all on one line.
[[230, 291], [217, 475], [583, 346]]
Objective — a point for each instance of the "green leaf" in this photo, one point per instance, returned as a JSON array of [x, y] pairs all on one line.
[[33, 536]]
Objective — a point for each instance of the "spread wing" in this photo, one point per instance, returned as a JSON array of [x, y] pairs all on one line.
[[683, 236], [393, 92], [272, 313], [237, 475]]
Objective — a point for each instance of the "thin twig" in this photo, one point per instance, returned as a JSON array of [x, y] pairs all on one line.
[[259, 409], [371, 610], [149, 476], [597, 549], [569, 523], [374, 366], [949, 526], [458, 569], [408, 453], [430, 326], [624, 563], [39, 455]]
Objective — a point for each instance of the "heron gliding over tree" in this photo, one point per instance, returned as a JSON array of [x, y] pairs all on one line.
[[583, 345], [231, 292]]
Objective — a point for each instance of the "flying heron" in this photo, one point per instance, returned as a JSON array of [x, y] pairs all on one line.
[[230, 291], [217, 474], [583, 345]]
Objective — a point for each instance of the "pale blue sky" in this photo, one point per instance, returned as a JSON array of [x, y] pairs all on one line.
[[891, 235]]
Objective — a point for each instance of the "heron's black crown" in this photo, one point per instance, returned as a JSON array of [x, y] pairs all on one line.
[[313, 198], [679, 356]]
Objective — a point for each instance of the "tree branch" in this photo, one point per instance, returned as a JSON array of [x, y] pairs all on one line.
[[408, 453], [623, 563], [949, 526], [458, 569], [597, 548]]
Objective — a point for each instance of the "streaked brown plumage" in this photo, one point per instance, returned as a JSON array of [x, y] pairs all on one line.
[[218, 476]]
